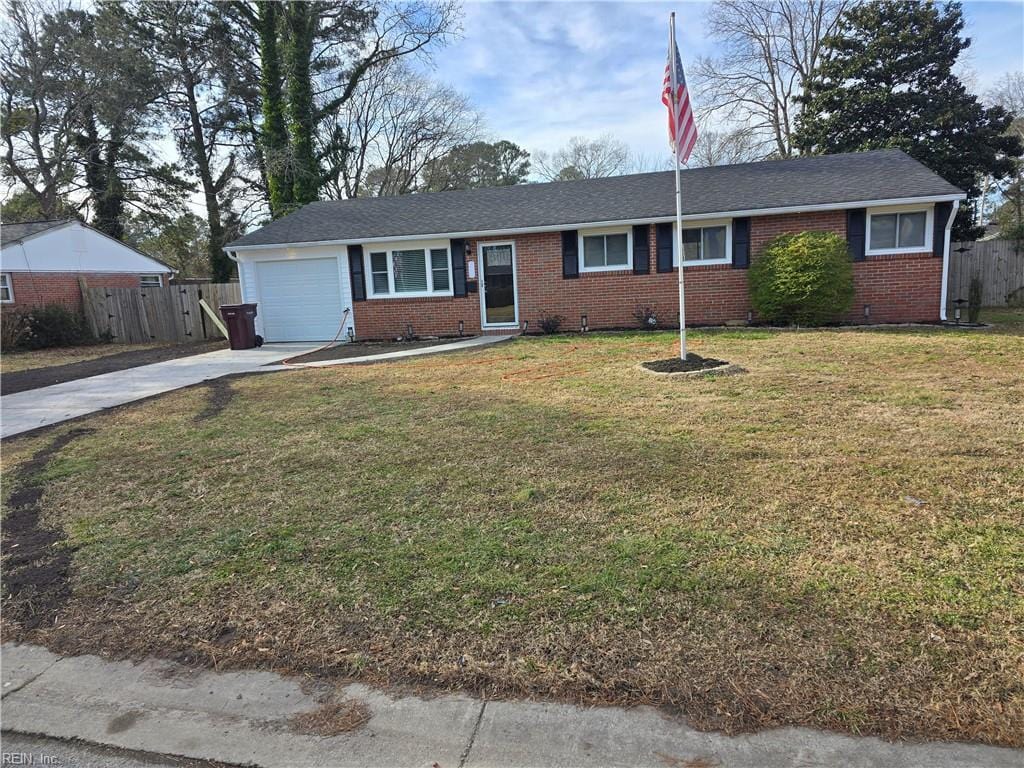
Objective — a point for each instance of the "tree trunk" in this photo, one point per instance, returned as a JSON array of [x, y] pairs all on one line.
[[220, 264], [275, 134], [301, 109]]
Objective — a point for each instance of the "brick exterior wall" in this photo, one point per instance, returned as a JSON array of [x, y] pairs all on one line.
[[902, 288], [36, 289]]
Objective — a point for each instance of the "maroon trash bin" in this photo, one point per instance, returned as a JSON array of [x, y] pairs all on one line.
[[241, 322]]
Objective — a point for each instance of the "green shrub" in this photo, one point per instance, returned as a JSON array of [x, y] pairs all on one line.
[[55, 326], [805, 279]]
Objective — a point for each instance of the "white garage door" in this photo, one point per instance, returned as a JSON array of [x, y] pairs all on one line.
[[300, 299]]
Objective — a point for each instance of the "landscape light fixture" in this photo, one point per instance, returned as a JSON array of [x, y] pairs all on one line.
[[956, 312], [750, 317], [462, 327], [351, 333], [408, 331], [583, 323], [526, 326], [867, 311]]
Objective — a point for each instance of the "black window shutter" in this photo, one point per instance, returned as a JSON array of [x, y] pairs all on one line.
[[856, 221], [355, 268], [663, 240], [570, 254], [641, 249], [942, 214], [459, 267], [741, 243]]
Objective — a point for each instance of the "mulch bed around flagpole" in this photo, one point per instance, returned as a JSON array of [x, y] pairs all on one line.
[[678, 365]]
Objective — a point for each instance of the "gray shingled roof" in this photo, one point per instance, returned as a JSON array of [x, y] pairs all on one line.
[[12, 233], [886, 174]]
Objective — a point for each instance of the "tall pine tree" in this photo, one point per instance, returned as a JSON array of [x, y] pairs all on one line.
[[887, 81]]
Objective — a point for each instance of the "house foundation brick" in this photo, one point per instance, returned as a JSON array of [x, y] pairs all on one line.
[[903, 288]]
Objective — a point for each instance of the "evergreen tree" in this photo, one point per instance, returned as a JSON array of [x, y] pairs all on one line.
[[887, 81]]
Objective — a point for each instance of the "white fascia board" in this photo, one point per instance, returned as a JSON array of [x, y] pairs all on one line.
[[617, 223]]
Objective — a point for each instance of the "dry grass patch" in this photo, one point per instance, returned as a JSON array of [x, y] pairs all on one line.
[[832, 539], [11, 362], [332, 718]]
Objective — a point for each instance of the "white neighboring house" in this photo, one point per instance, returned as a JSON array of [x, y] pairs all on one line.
[[42, 262]]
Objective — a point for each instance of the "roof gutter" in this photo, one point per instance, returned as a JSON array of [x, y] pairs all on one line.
[[930, 199], [947, 235]]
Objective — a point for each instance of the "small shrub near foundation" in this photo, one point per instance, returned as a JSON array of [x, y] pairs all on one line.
[[551, 323], [51, 326], [646, 317]]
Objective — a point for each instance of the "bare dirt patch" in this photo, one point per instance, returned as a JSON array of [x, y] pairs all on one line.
[[35, 583], [34, 378], [363, 348], [219, 393], [332, 719]]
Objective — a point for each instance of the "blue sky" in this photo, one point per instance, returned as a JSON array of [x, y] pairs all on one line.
[[543, 72]]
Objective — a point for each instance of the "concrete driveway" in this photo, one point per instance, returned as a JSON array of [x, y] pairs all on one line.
[[24, 411]]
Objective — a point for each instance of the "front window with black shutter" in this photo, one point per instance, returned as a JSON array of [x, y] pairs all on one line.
[[406, 270], [606, 250], [707, 243], [898, 231], [379, 270]]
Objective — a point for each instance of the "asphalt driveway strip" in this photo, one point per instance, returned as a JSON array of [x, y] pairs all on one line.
[[35, 378]]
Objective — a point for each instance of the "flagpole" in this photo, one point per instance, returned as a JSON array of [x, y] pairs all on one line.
[[679, 195]]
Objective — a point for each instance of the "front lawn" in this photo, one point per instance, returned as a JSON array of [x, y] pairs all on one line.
[[834, 538]]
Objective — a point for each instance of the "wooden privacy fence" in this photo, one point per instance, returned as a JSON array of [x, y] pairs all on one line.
[[997, 263], [138, 315]]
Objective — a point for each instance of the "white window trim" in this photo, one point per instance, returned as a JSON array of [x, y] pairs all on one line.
[[9, 279], [929, 226], [627, 231], [415, 245], [727, 223], [159, 280]]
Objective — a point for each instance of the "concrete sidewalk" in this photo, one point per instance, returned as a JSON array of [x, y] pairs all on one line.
[[247, 718], [24, 411]]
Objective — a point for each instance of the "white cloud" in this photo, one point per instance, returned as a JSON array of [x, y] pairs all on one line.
[[544, 72]]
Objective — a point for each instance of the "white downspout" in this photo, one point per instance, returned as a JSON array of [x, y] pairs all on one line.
[[943, 297]]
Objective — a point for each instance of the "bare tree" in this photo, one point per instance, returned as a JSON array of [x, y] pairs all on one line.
[[584, 158], [769, 48], [642, 162], [725, 147], [393, 125], [1008, 93], [1004, 201]]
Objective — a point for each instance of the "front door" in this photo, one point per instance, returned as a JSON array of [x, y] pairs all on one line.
[[498, 274]]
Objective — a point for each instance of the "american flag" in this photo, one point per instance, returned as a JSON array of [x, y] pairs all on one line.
[[680, 116]]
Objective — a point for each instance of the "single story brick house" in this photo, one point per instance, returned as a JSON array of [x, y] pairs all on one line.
[[493, 260], [43, 262]]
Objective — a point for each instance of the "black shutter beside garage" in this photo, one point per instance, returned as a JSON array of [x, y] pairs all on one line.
[[355, 268]]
